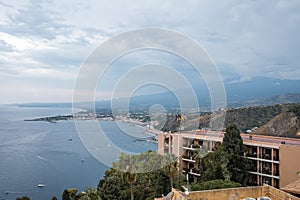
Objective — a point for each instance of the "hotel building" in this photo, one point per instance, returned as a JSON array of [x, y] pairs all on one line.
[[276, 160]]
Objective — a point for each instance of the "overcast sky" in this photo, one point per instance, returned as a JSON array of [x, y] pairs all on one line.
[[44, 43]]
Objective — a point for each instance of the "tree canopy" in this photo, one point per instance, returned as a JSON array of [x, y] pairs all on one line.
[[235, 149]]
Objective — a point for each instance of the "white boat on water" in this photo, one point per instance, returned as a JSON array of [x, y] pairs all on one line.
[[41, 185]]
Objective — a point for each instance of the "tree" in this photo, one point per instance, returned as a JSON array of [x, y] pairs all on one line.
[[66, 195], [112, 186], [54, 198], [162, 183], [169, 166], [138, 176], [199, 154], [215, 165], [129, 165], [92, 193], [235, 149], [23, 198]]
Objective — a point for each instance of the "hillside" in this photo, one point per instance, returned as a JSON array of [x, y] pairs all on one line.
[[278, 120], [286, 124]]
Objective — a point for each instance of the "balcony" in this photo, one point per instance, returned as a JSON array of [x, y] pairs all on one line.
[[188, 158], [251, 155], [195, 146], [195, 172], [276, 173], [266, 171], [166, 150], [276, 158], [266, 156]]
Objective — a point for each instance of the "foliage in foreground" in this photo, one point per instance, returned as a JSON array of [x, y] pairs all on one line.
[[214, 184], [139, 177], [23, 198]]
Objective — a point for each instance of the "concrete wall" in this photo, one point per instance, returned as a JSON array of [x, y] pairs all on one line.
[[225, 194], [160, 141], [289, 164], [236, 193], [177, 145]]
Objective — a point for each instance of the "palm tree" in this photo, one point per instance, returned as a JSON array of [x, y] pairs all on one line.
[[169, 167], [129, 165], [199, 154], [130, 177]]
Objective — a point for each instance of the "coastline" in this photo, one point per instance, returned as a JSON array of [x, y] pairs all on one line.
[[93, 116]]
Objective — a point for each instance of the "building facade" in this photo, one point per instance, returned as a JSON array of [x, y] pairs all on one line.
[[276, 160]]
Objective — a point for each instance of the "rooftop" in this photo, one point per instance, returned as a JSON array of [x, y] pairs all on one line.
[[248, 138], [293, 187], [236, 193]]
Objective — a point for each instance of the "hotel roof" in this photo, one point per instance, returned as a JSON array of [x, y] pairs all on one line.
[[293, 187], [251, 139]]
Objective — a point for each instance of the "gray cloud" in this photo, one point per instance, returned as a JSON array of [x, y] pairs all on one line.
[[5, 4], [5, 47], [246, 39], [37, 19]]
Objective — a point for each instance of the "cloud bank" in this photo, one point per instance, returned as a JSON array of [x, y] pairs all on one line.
[[43, 43]]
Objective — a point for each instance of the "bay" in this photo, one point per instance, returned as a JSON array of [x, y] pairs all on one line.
[[51, 153]]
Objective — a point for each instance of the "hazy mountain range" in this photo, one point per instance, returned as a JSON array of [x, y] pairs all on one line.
[[258, 91]]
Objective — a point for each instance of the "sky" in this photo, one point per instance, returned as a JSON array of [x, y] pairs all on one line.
[[44, 43]]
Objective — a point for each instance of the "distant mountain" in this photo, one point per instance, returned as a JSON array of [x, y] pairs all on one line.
[[258, 91], [273, 100], [260, 87]]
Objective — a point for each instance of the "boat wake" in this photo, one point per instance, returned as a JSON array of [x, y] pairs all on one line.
[[42, 158]]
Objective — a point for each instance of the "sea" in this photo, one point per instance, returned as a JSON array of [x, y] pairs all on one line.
[[39, 152]]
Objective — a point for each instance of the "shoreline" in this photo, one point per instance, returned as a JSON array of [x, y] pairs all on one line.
[[92, 116]]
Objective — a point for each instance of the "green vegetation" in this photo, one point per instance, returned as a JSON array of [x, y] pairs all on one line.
[[214, 184], [246, 118], [23, 198], [249, 117], [139, 177], [295, 109], [215, 166], [235, 149]]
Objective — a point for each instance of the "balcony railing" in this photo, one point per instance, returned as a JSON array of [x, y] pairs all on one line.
[[267, 171], [252, 154], [266, 156], [276, 173], [276, 158], [189, 158], [196, 171]]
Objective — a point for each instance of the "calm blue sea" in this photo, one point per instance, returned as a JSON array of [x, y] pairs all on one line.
[[41, 152]]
